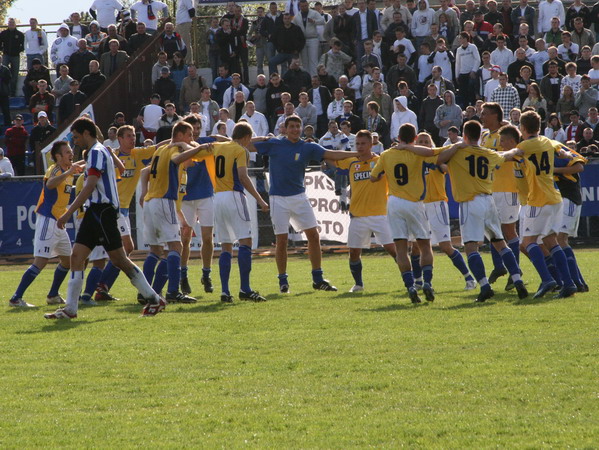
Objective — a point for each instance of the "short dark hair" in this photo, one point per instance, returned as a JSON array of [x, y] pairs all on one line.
[[181, 128], [193, 119], [364, 134], [511, 131], [374, 106], [293, 118], [407, 133], [242, 130], [83, 124], [495, 108], [531, 122], [472, 130], [455, 130], [57, 148]]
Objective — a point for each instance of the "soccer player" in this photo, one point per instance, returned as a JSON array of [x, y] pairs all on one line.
[[407, 217], [231, 215], [99, 225], [161, 224], [368, 208], [542, 214], [49, 240], [437, 213], [505, 191], [471, 172], [288, 158]]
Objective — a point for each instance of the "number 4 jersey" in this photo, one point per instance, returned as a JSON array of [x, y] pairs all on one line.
[[537, 167]]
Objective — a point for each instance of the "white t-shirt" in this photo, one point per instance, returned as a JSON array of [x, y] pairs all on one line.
[[106, 11], [141, 13], [183, 8], [151, 114], [594, 74]]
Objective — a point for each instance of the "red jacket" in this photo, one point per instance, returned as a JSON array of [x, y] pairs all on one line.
[[16, 141]]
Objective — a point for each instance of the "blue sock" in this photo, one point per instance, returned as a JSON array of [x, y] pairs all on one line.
[[458, 261], [535, 254], [514, 244], [109, 275], [150, 266], [183, 272], [60, 274], [283, 279], [93, 277], [224, 264], [477, 267], [206, 272], [161, 276], [510, 263], [26, 280], [355, 267], [553, 270], [573, 265], [416, 269], [244, 260], [496, 257], [408, 278], [559, 258], [427, 273], [173, 263], [317, 275]]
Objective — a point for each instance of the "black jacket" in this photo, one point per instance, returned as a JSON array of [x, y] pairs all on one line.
[[5, 77], [298, 81], [529, 14], [39, 135], [92, 82], [325, 98], [67, 104], [371, 25], [84, 30], [356, 122], [289, 40], [79, 64], [137, 41], [166, 88], [12, 42]]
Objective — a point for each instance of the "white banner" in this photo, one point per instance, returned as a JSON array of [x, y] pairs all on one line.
[[332, 223]]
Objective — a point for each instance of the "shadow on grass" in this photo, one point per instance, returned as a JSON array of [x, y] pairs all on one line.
[[470, 305], [206, 308], [358, 295], [536, 301], [64, 325], [395, 307]]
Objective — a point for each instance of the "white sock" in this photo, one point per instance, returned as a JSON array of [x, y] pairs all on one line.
[[139, 281], [74, 290]]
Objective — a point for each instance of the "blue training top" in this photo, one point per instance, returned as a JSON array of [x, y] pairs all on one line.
[[199, 184], [288, 162]]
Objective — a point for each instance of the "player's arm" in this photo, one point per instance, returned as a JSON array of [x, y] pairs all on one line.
[[512, 155], [54, 182], [220, 138], [118, 164], [143, 179], [577, 167], [244, 179], [191, 152], [446, 155], [416, 149], [252, 148], [336, 155], [88, 188], [377, 172]]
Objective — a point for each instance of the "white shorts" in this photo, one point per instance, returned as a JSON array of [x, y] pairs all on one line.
[[124, 224], [294, 210], [479, 218], [201, 210], [98, 252], [231, 217], [361, 229], [49, 240], [570, 218], [437, 214], [542, 220], [161, 224], [508, 206], [407, 219]]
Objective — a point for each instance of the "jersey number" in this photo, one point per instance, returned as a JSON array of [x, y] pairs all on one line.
[[153, 169], [220, 166], [543, 165], [401, 174], [478, 167]]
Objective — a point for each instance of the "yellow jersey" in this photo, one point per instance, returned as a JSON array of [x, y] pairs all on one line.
[[538, 163], [182, 187], [78, 187], [134, 162], [503, 177], [405, 172], [228, 157], [53, 202], [521, 182], [471, 172], [367, 198]]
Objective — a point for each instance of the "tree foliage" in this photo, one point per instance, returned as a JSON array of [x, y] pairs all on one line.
[[4, 6]]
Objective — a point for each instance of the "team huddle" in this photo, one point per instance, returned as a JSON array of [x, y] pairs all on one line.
[[499, 177]]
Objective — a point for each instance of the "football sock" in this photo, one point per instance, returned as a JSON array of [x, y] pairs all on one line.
[[74, 290], [355, 268], [416, 269], [206, 272], [514, 244], [458, 261], [60, 273], [93, 277], [317, 276], [161, 276], [183, 272], [509, 259], [553, 270], [408, 278], [573, 265], [224, 265], [477, 267], [538, 260], [109, 275], [244, 260], [496, 257], [143, 287], [560, 261], [150, 266], [26, 280], [427, 273], [283, 279], [173, 264]]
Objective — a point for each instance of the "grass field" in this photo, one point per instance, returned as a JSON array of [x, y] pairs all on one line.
[[310, 370]]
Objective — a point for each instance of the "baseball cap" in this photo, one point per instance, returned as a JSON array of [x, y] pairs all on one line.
[[375, 134], [165, 70], [42, 114], [18, 117], [495, 68], [36, 61], [1, 151]]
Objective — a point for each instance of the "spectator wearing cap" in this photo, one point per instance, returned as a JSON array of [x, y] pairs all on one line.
[[104, 12], [63, 47], [93, 80], [39, 135], [36, 43], [165, 87], [5, 77], [6, 169], [70, 100], [138, 40], [113, 60], [126, 26], [79, 62], [502, 56], [77, 29], [12, 44], [481, 26], [147, 11], [37, 72], [42, 100], [15, 139], [94, 38], [491, 83], [149, 117], [171, 41]]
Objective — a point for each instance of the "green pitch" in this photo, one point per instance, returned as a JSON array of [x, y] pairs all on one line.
[[312, 369]]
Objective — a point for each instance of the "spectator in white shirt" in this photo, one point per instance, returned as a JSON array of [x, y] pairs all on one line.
[[572, 79], [6, 169], [36, 44], [502, 56], [539, 58], [224, 118], [547, 10], [335, 108], [105, 12], [256, 119], [147, 11], [568, 50], [467, 62], [493, 83]]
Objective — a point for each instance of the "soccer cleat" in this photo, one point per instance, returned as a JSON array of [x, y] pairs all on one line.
[[418, 284], [496, 273], [87, 300], [253, 296], [413, 294], [178, 297], [521, 289], [324, 285], [60, 313], [357, 288], [582, 287], [544, 288], [428, 292], [207, 283], [102, 295], [151, 309], [567, 291], [56, 300], [20, 303], [226, 298], [470, 285], [509, 285], [141, 300], [185, 287], [485, 294], [284, 289]]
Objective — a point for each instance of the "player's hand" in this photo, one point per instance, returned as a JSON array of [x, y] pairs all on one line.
[[77, 167], [61, 222], [264, 206]]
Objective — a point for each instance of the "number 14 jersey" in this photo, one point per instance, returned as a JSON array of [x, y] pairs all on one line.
[[537, 166]]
